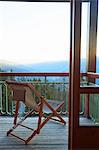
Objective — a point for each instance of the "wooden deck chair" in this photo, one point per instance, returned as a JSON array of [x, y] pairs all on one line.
[[24, 92]]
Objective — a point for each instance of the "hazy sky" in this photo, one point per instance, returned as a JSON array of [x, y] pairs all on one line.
[[37, 32]]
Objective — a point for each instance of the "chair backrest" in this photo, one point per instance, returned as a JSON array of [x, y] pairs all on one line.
[[19, 94], [17, 91], [22, 91]]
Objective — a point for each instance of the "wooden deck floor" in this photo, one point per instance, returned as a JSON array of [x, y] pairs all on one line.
[[53, 136]]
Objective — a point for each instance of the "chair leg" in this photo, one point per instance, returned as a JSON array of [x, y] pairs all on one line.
[[39, 123], [16, 112], [61, 119], [17, 124], [55, 111], [30, 137], [40, 116]]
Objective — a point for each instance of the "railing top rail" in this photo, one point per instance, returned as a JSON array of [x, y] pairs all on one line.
[[46, 0], [92, 75], [37, 74], [33, 74]]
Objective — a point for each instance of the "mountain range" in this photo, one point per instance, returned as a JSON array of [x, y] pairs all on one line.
[[58, 66]]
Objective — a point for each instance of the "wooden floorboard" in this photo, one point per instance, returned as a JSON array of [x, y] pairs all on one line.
[[53, 136]]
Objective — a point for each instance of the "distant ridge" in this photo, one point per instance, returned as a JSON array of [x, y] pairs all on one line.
[[58, 66]]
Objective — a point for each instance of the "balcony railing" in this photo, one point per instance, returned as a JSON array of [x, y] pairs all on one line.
[[52, 86]]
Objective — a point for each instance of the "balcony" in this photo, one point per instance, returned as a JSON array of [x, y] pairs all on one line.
[[53, 136], [53, 86], [77, 37]]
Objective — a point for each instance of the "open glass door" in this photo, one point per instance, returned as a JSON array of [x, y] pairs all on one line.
[[83, 93]]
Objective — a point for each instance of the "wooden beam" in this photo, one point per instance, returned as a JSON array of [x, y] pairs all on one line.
[[64, 74], [92, 75], [33, 74], [39, 1], [75, 72], [45, 0], [70, 71], [89, 90]]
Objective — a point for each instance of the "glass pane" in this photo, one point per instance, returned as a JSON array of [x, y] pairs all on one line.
[[84, 34]]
